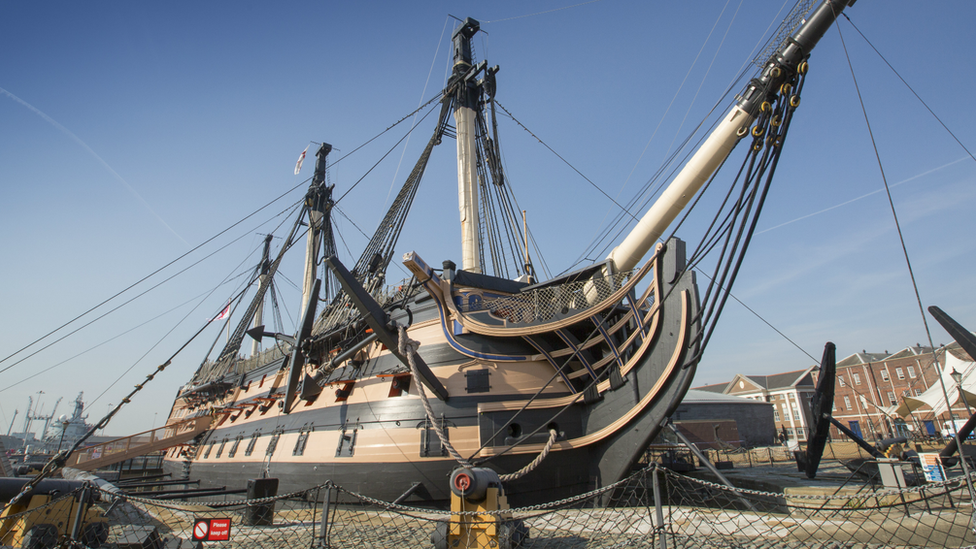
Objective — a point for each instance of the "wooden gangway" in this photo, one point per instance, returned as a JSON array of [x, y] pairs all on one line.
[[96, 456]]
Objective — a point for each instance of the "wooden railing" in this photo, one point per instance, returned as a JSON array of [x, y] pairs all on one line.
[[93, 457]]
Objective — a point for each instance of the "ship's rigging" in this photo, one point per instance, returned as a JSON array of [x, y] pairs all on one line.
[[497, 220]]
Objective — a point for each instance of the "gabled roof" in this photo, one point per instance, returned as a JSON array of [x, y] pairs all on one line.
[[715, 388], [910, 352], [740, 379], [784, 380], [773, 382], [957, 351], [698, 396], [861, 358]]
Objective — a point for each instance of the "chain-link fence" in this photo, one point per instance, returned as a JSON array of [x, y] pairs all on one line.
[[742, 457], [655, 507]]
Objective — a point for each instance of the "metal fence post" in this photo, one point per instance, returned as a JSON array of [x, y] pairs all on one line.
[[323, 540], [79, 517], [659, 511]]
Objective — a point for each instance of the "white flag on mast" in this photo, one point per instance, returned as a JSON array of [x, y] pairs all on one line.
[[301, 158], [224, 314]]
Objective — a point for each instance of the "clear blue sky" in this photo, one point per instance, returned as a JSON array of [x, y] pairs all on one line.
[[132, 132]]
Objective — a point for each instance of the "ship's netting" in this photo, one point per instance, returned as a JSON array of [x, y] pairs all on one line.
[[654, 507], [786, 29], [549, 302]]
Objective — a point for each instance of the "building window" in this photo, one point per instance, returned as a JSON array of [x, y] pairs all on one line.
[[900, 373], [918, 392], [796, 414], [891, 398], [775, 415], [840, 379], [884, 375], [911, 372], [847, 403], [857, 379]]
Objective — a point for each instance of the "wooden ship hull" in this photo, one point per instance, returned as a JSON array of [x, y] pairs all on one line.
[[367, 429], [557, 385]]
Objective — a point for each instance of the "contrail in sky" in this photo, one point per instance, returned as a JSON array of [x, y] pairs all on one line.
[[863, 196], [78, 140]]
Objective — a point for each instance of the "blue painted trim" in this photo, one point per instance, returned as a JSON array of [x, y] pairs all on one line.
[[637, 316], [552, 362], [576, 352], [599, 326], [449, 335]]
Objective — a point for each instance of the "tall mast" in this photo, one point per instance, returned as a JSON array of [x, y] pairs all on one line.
[[259, 314], [466, 101], [318, 201], [782, 65]]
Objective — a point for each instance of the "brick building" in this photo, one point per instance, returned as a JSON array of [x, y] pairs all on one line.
[[870, 386], [867, 391], [789, 394]]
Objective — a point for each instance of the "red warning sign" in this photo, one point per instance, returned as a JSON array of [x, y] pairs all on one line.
[[217, 529]]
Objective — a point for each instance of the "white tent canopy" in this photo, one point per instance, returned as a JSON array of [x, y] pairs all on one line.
[[934, 398]]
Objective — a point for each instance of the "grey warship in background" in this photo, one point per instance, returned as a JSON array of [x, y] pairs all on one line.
[[587, 365]]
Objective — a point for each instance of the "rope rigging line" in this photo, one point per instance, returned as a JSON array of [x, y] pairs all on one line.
[[96, 346], [501, 223], [908, 263], [769, 134], [558, 370], [157, 285], [140, 281], [649, 189], [907, 85], [58, 461], [531, 466], [546, 145], [891, 203], [377, 136], [408, 347], [430, 71]]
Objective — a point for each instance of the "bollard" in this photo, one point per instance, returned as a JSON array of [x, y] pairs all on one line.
[[478, 490], [261, 514]]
